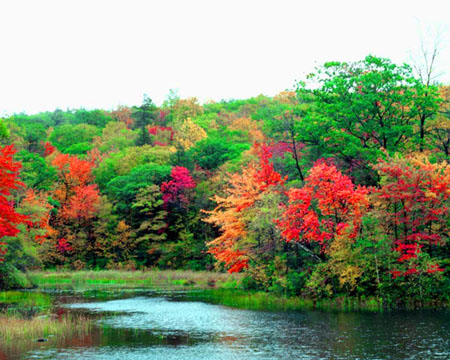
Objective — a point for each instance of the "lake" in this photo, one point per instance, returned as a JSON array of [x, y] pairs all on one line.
[[166, 326]]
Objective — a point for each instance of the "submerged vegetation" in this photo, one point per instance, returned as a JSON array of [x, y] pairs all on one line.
[[335, 191]]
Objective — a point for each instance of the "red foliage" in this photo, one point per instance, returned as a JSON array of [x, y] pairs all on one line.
[[9, 218], [153, 130], [266, 176], [328, 204], [49, 149], [73, 170], [173, 190], [83, 205], [414, 199], [63, 246]]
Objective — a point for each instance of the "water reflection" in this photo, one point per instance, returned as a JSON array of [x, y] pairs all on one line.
[[156, 328]]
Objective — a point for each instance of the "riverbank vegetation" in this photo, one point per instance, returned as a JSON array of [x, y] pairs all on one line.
[[337, 189], [17, 332], [153, 279]]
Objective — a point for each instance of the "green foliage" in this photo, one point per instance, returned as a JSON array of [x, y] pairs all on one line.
[[212, 152], [36, 172], [98, 118], [353, 116], [123, 189], [4, 132], [122, 163], [74, 139], [11, 278]]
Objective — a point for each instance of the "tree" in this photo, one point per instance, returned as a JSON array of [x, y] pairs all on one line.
[[74, 139], [242, 192], [414, 201], [369, 106], [123, 114], [9, 180], [174, 191], [326, 206], [212, 152], [144, 115], [77, 203], [189, 134], [150, 233], [439, 127], [116, 136]]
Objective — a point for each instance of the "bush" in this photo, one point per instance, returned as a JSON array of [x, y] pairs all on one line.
[[11, 278]]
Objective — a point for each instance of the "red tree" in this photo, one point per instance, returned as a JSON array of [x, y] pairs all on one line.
[[328, 204], [9, 218], [174, 190], [414, 203]]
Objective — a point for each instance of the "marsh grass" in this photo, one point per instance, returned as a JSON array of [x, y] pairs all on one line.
[[252, 300], [17, 332], [25, 299], [216, 288], [134, 279]]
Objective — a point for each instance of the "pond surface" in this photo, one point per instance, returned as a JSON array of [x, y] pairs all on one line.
[[155, 326]]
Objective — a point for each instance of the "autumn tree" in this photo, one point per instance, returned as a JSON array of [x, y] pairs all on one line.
[[243, 190], [174, 191], [77, 202], [414, 204], [326, 206], [123, 114], [189, 134], [9, 181]]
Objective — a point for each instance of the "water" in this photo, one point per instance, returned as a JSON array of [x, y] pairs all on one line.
[[148, 327]]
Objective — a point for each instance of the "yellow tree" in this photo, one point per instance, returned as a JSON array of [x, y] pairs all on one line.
[[188, 134]]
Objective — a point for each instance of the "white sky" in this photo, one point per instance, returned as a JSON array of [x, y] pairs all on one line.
[[100, 54]]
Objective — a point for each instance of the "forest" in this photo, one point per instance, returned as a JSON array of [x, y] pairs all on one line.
[[340, 186]]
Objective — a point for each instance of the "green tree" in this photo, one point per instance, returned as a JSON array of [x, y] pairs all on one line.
[[150, 233], [144, 115], [368, 106]]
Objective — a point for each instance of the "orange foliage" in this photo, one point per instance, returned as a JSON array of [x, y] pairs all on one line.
[[242, 192], [84, 204], [39, 219]]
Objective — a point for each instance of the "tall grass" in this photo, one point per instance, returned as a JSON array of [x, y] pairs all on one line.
[[253, 300], [16, 331], [134, 279], [25, 299]]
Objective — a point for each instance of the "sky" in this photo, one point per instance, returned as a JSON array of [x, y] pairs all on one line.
[[102, 54]]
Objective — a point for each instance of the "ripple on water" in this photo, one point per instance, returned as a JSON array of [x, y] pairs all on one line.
[[156, 328]]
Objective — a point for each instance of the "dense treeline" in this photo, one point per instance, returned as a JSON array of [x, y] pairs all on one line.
[[342, 187]]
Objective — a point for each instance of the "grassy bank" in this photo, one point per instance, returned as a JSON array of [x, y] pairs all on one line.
[[19, 332], [253, 300], [134, 279], [212, 287]]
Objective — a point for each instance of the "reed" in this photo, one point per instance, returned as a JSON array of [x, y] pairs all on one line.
[[134, 279], [17, 331], [257, 300]]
